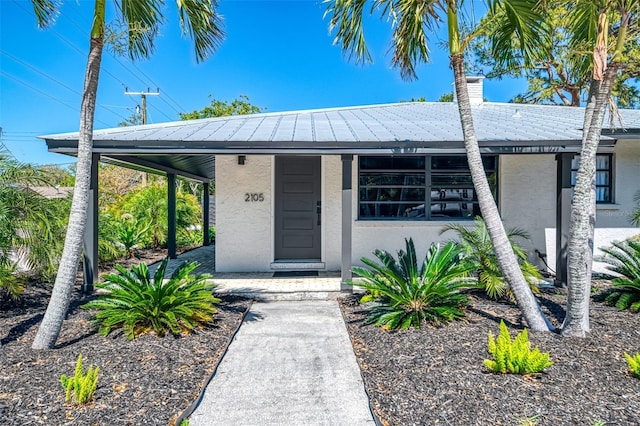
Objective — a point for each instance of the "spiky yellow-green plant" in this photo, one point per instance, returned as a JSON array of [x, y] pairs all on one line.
[[515, 356], [80, 386], [634, 363]]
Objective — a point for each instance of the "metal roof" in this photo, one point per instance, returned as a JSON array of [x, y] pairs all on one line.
[[389, 128]]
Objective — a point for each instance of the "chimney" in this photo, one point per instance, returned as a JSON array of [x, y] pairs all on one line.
[[474, 88]]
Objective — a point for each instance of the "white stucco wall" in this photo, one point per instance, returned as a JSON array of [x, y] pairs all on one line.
[[244, 236], [332, 212], [527, 197]]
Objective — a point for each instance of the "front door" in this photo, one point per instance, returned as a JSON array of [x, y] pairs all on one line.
[[298, 208]]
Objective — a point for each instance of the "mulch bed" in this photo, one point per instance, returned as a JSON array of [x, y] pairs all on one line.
[[435, 375], [149, 380]]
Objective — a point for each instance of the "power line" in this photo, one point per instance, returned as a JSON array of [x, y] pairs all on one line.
[[43, 93], [44, 74]]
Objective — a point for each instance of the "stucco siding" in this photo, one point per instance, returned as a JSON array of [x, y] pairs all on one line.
[[527, 196], [332, 211], [244, 236]]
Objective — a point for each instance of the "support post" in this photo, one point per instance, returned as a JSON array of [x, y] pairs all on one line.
[[563, 216], [90, 243], [346, 275], [171, 215], [205, 214]]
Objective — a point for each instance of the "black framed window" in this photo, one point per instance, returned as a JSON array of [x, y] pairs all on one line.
[[419, 187], [604, 177]]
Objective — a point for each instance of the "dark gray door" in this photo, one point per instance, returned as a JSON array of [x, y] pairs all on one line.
[[297, 215]]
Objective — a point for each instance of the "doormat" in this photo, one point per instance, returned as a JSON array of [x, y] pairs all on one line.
[[286, 274]]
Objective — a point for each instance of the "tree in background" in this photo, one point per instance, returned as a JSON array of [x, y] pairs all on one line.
[[135, 119], [142, 19], [558, 74], [30, 224], [412, 21], [239, 106]]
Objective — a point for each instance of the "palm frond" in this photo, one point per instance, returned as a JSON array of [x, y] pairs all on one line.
[[200, 19]]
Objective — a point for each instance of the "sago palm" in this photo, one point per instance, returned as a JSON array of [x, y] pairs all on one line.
[[138, 303], [476, 244], [142, 18], [412, 21], [409, 293], [623, 259]]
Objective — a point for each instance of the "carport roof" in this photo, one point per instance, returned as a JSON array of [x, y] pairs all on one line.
[[389, 128]]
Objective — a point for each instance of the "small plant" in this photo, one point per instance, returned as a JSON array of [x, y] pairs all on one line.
[[11, 283], [623, 259], [407, 293], [130, 232], [515, 356], [140, 304], [477, 245], [634, 363], [80, 387]]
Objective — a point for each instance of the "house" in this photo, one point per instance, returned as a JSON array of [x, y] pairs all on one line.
[[319, 189]]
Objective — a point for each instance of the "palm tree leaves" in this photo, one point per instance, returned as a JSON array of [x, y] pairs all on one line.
[[200, 20], [408, 293], [137, 303], [46, 11], [623, 259], [476, 244], [30, 224]]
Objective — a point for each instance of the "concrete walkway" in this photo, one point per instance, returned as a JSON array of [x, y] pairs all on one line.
[[291, 363]]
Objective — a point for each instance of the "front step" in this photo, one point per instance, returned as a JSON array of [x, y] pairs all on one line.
[[272, 296]]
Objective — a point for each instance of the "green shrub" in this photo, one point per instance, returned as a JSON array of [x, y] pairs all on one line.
[[477, 245], [81, 386], [623, 258], [408, 293], [11, 283], [515, 356], [140, 304], [634, 363]]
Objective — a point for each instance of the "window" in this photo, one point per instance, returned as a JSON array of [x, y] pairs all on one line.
[[604, 177], [399, 188]]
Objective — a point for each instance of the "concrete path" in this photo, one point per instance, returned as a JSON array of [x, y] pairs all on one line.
[[291, 363]]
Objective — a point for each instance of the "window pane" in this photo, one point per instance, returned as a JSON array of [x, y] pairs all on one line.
[[392, 163], [392, 194], [603, 195], [392, 180], [602, 178], [451, 180], [454, 210], [602, 162], [458, 162], [392, 211]]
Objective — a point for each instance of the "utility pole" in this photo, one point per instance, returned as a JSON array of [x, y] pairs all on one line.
[[143, 96]]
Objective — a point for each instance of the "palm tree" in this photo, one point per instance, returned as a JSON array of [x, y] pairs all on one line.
[[29, 223], [591, 30], [198, 19], [412, 20]]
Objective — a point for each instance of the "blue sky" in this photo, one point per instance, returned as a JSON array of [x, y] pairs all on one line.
[[279, 53]]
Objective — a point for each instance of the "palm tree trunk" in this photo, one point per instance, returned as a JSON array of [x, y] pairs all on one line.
[[65, 279], [583, 211], [504, 252]]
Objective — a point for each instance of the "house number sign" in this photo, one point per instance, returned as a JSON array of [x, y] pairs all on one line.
[[253, 197]]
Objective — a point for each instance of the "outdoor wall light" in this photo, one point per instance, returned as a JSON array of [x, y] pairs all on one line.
[[242, 159]]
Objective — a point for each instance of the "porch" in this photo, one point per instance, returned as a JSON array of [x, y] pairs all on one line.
[[259, 285]]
